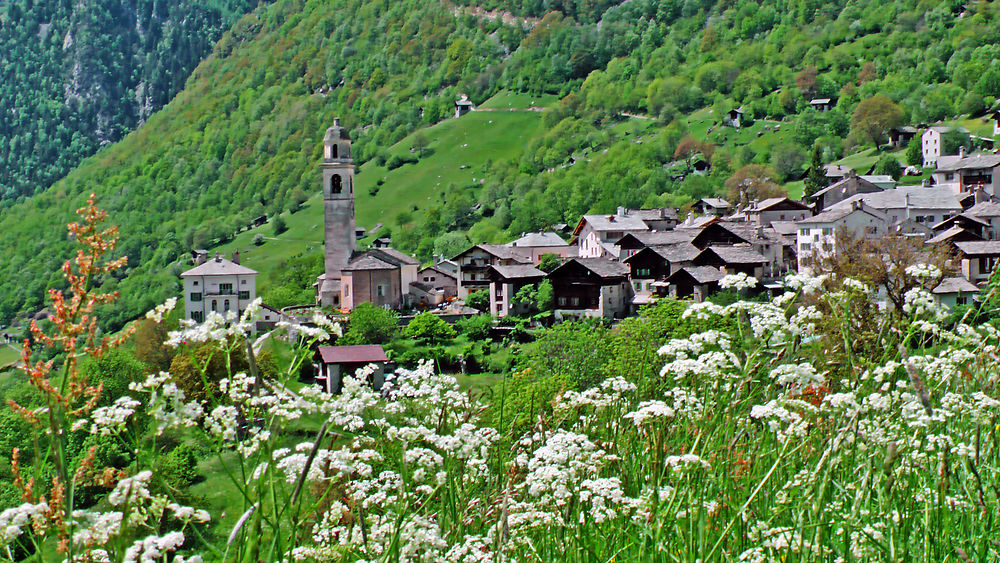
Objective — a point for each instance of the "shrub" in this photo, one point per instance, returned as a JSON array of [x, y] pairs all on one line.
[[476, 327]]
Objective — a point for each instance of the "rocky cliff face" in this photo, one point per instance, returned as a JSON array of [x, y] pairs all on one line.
[[83, 73]]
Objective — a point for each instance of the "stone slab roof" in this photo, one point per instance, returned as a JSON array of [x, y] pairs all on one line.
[[972, 162], [700, 274], [955, 284], [364, 353], [520, 271], [219, 266], [368, 261], [979, 247], [737, 254], [530, 240], [914, 197]]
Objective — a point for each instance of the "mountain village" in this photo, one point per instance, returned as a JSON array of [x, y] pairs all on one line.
[[607, 266]]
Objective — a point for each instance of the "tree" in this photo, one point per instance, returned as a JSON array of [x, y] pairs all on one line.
[[546, 296], [873, 118], [149, 349], [114, 371], [888, 165], [420, 143], [816, 176], [477, 327], [279, 225], [371, 325], [787, 161], [752, 182], [914, 153], [429, 328], [955, 139], [549, 261], [479, 300], [450, 244], [806, 79]]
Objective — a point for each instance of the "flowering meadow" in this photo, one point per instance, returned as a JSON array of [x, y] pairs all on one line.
[[766, 436]]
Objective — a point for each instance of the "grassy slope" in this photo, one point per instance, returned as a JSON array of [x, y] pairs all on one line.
[[469, 141]]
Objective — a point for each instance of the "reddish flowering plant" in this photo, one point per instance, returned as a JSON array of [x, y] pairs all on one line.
[[68, 396]]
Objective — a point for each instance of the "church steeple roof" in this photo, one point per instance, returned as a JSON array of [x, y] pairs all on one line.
[[336, 133]]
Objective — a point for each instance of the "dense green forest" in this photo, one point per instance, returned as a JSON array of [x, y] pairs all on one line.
[[78, 75], [243, 137]]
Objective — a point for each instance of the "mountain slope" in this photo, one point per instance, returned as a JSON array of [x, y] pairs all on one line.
[[242, 139], [79, 75]]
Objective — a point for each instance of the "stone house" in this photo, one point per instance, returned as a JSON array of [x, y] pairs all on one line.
[[505, 282], [734, 259], [955, 291], [968, 173], [901, 136], [712, 206], [817, 235], [463, 106], [978, 258], [474, 264], [218, 285], [597, 234], [821, 104], [534, 245], [440, 277], [849, 185], [336, 362], [932, 144], [763, 213], [923, 205]]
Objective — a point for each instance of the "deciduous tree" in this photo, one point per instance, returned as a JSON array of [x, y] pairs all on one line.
[[873, 118]]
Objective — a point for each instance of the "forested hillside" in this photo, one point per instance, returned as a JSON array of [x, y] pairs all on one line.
[[78, 75], [243, 138]]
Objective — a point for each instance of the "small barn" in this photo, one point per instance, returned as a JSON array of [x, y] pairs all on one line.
[[334, 362]]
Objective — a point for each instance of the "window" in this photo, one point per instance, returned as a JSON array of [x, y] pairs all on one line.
[[805, 247], [333, 150], [225, 289], [380, 290], [949, 176], [961, 300], [195, 283], [244, 295], [828, 231], [562, 301], [643, 272], [195, 297], [225, 306], [243, 282], [574, 301], [215, 305], [336, 184], [197, 316]]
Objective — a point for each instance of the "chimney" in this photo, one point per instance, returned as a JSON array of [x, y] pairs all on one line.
[[925, 183], [855, 205], [852, 173], [236, 257], [336, 122], [218, 257], [621, 212], [907, 206], [961, 152]]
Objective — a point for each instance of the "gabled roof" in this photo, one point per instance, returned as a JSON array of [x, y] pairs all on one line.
[[837, 213], [655, 214], [496, 250], [776, 202], [978, 247], [955, 284], [394, 256], [520, 271], [219, 266], [700, 274], [439, 270], [659, 238], [849, 184], [913, 197], [819, 101], [601, 267], [531, 240], [971, 162], [716, 202], [369, 261], [737, 254], [984, 209], [363, 353], [612, 222], [952, 233], [836, 170], [784, 228], [673, 253]]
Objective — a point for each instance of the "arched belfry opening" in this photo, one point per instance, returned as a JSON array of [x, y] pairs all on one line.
[[333, 151], [336, 184]]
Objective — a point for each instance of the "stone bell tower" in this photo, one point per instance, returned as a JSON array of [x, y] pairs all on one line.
[[338, 211]]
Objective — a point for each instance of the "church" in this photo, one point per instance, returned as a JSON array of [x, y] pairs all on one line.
[[381, 276]]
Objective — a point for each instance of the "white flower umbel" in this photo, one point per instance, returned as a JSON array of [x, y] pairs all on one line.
[[924, 272], [157, 313], [738, 281]]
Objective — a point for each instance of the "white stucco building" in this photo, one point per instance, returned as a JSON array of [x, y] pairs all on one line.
[[218, 285], [817, 235]]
